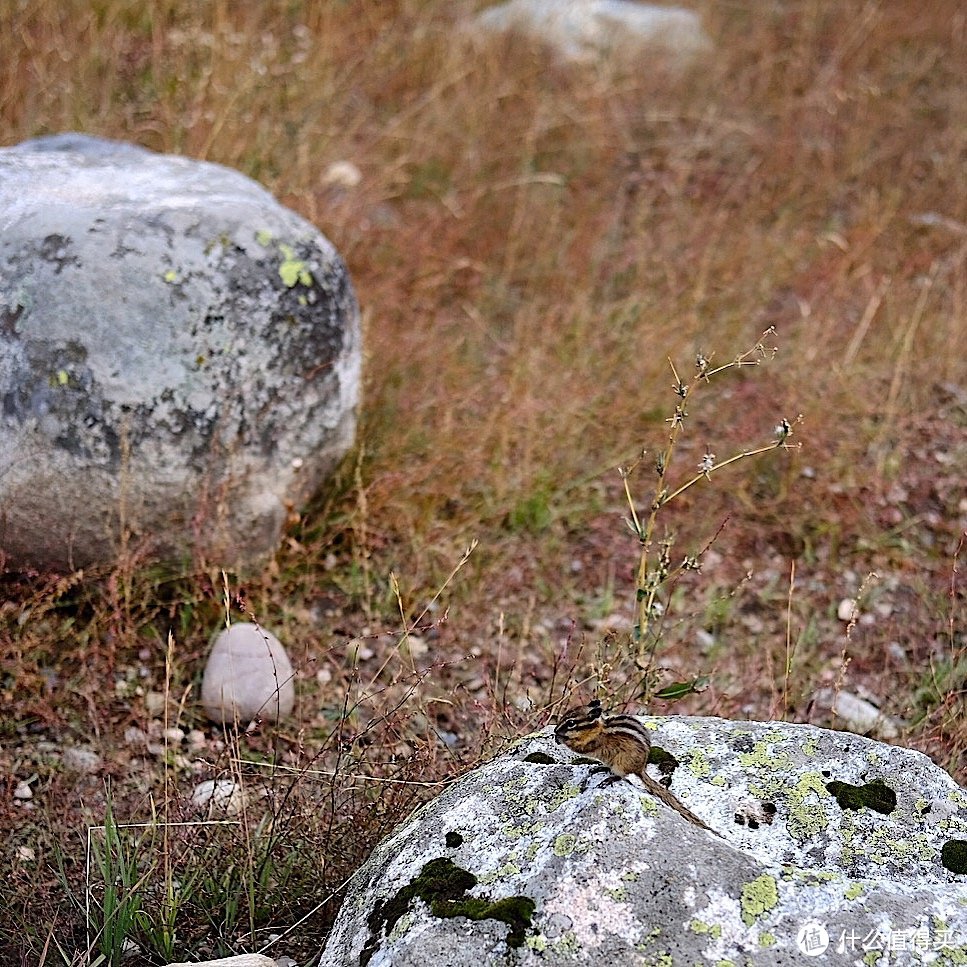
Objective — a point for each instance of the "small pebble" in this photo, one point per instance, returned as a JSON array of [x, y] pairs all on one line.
[[23, 791], [358, 651], [219, 794], [81, 760], [416, 645], [196, 739], [154, 703], [342, 173], [134, 736], [847, 610]]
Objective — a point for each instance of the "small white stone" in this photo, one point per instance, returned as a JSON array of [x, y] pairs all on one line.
[[23, 791], [135, 736], [248, 676], [219, 794], [358, 650], [196, 739], [857, 714], [847, 610], [154, 703], [174, 735], [705, 639], [342, 173], [26, 855], [80, 760], [416, 645], [897, 651]]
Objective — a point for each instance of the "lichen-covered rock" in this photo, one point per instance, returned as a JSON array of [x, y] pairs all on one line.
[[179, 356], [830, 843], [248, 675], [581, 30]]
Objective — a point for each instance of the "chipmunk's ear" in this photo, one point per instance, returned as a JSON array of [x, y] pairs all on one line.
[[594, 708]]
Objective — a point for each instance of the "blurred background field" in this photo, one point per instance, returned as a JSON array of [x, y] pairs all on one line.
[[530, 242]]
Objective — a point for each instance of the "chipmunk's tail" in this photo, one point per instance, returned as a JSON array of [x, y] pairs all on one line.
[[669, 799]]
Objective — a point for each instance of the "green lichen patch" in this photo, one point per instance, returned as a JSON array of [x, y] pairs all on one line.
[[443, 886], [564, 844], [807, 817], [761, 757], [876, 795], [953, 855], [541, 758], [699, 765], [758, 897], [293, 270]]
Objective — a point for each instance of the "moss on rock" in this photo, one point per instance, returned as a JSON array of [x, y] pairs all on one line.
[[443, 886]]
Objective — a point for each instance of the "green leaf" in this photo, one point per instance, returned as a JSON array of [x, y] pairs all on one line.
[[679, 690]]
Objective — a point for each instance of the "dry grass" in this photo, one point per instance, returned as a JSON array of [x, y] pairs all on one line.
[[530, 243]]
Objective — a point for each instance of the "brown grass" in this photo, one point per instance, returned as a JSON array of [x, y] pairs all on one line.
[[529, 243]]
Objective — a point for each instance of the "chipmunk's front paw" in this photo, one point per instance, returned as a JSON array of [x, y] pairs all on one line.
[[610, 779]]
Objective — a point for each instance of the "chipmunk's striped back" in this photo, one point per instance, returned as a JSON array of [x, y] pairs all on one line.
[[628, 725], [621, 743]]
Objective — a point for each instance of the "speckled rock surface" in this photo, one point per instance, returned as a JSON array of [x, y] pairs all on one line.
[[179, 356], [833, 846], [583, 30]]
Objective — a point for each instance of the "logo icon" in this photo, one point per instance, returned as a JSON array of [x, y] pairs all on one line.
[[812, 938]]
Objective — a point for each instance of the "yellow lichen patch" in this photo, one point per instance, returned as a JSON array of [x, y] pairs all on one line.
[[293, 270], [758, 897]]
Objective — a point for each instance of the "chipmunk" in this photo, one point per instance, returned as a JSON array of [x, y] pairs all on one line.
[[622, 745]]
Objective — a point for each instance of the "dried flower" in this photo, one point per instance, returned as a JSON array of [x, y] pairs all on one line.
[[707, 464]]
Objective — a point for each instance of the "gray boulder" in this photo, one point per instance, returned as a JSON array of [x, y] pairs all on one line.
[[830, 844], [179, 356], [583, 30]]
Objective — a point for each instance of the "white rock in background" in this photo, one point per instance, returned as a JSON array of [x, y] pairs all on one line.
[[587, 29], [176, 348], [23, 791], [814, 824], [219, 795], [248, 676], [857, 714]]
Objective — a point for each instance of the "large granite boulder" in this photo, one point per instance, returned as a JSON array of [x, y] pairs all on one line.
[[592, 30], [828, 845], [179, 356]]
